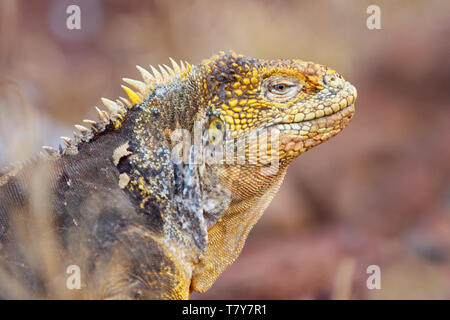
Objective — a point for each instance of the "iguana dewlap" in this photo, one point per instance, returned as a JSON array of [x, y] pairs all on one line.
[[156, 199]]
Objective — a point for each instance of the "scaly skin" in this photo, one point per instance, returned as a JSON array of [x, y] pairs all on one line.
[[131, 207]]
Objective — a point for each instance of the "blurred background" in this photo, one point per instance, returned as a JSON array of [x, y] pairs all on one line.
[[377, 194]]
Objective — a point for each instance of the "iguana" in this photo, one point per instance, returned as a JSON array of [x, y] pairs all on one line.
[[141, 209]]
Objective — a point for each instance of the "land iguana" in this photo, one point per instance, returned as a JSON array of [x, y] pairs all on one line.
[[156, 198]]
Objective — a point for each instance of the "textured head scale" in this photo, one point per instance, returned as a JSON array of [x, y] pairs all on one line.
[[303, 101]]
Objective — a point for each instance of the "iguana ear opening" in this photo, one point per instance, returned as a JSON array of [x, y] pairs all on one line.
[[216, 131]]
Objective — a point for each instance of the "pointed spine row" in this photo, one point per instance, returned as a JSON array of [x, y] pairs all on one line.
[[117, 109]]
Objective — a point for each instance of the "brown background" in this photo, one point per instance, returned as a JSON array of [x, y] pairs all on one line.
[[379, 193]]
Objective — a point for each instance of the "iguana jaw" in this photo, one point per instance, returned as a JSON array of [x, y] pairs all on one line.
[[297, 138]]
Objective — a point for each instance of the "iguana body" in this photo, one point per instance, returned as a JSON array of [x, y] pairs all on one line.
[[141, 222]]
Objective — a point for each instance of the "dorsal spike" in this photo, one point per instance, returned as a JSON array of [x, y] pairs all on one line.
[[91, 122], [169, 70], [111, 105], [106, 115], [120, 104], [134, 97], [175, 66], [126, 102], [82, 129], [164, 73], [67, 141], [183, 68], [102, 115], [157, 75], [94, 125], [76, 135], [50, 151], [146, 75], [139, 85]]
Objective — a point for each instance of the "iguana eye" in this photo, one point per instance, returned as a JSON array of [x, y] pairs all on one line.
[[216, 130], [281, 89]]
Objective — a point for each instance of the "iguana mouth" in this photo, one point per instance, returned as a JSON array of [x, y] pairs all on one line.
[[292, 139], [304, 127], [297, 138]]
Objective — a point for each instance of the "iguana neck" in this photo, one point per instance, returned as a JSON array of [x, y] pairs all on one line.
[[180, 198], [252, 188]]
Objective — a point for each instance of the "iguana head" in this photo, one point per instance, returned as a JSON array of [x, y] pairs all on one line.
[[301, 102]]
